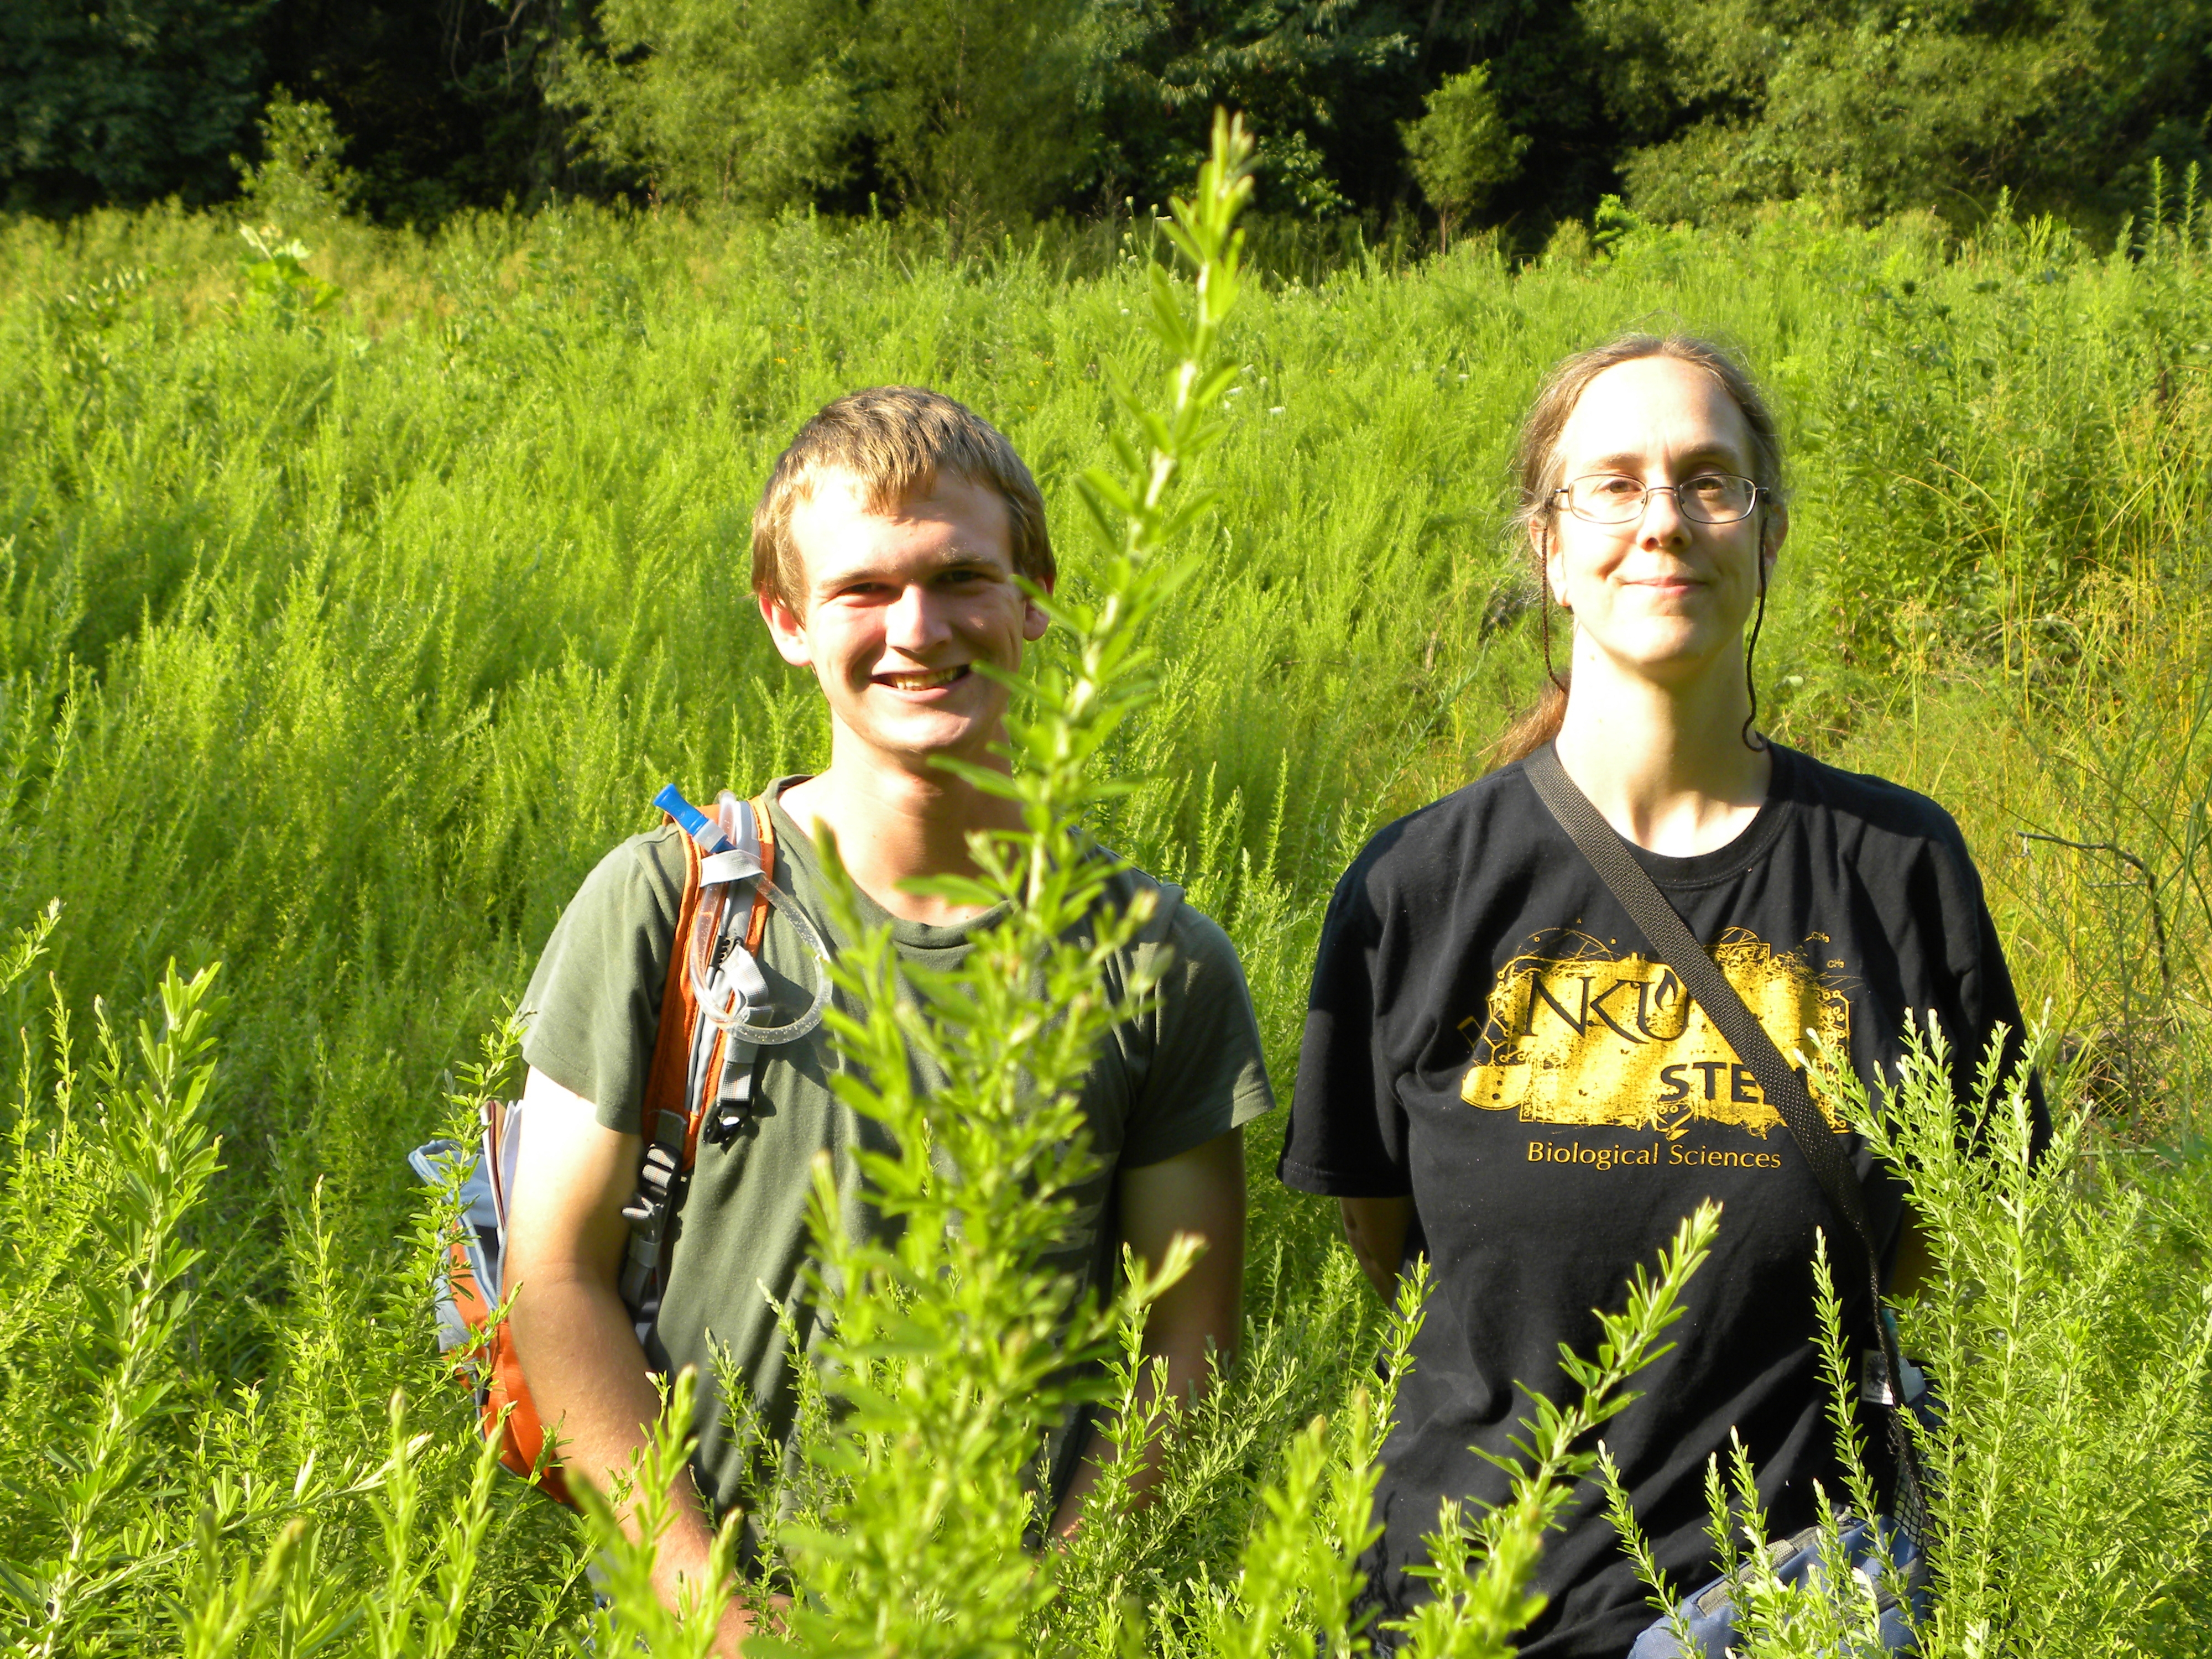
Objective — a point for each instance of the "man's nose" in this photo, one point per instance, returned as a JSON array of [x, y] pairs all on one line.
[[916, 621]]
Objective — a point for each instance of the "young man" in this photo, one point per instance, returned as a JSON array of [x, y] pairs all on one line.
[[885, 549]]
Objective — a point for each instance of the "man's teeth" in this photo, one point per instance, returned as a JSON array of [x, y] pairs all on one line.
[[924, 682]]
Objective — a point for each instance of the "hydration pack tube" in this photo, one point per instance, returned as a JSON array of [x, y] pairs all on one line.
[[700, 1083]]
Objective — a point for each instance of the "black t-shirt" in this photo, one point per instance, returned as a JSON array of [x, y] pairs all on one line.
[[1489, 1034]]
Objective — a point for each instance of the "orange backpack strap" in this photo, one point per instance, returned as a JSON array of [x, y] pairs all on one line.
[[672, 1112], [685, 1080], [504, 1390]]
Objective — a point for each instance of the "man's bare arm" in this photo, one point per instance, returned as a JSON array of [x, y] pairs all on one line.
[[579, 1350], [1916, 1258], [1376, 1230], [1200, 1193]]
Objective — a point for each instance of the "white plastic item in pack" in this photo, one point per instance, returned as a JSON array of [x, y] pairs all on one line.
[[731, 992]]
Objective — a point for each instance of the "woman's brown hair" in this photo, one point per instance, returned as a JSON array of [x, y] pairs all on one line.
[[1537, 465]]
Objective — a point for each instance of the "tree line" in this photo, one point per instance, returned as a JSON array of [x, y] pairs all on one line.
[[1514, 114]]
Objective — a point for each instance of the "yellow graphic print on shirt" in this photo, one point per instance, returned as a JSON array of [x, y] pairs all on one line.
[[1588, 1038]]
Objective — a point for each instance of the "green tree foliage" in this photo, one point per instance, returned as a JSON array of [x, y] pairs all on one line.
[[993, 111], [972, 103], [1316, 77], [441, 101], [964, 108], [124, 100], [1877, 107], [1543, 73], [124, 103], [298, 182], [1462, 149], [747, 101]]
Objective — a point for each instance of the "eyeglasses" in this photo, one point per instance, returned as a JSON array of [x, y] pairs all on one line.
[[1709, 498]]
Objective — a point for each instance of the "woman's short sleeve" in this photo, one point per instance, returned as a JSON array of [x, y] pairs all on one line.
[[1346, 1135]]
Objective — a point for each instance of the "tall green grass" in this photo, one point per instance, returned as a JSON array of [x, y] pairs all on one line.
[[354, 606]]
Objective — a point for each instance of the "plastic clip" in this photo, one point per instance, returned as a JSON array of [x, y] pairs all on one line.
[[655, 1178]]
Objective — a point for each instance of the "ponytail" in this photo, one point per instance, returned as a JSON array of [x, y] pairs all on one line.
[[1537, 726]]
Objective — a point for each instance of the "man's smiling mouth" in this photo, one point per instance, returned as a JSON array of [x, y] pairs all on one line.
[[927, 680]]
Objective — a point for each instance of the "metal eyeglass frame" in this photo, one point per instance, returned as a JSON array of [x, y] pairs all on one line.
[[1644, 500]]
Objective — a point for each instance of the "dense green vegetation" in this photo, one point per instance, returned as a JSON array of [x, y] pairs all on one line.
[[994, 111], [358, 597]]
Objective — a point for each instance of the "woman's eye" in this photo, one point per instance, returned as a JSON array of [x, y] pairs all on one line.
[[1619, 487]]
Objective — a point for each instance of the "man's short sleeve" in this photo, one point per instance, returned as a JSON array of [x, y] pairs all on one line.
[[1207, 1073], [593, 1006], [1346, 1136]]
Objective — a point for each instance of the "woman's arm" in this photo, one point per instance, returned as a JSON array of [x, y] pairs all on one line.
[[1376, 1228]]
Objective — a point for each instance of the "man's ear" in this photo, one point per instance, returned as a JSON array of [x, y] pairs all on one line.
[[787, 628], [1034, 620]]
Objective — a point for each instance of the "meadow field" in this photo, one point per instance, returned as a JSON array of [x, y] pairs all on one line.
[[356, 603]]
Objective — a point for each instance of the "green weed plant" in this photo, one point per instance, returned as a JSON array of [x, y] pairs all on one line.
[[343, 632]]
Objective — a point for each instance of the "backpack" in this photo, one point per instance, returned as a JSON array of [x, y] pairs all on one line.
[[699, 1085]]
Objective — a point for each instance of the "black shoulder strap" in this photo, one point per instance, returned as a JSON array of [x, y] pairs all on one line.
[[1781, 1082]]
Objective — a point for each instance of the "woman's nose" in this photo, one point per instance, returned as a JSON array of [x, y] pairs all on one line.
[[1663, 521]]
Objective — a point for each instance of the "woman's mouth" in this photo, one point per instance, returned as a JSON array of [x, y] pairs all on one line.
[[927, 679]]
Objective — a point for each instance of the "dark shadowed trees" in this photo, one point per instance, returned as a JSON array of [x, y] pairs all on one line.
[[124, 100], [987, 110]]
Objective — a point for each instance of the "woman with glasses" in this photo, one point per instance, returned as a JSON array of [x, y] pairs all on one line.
[[1501, 1073]]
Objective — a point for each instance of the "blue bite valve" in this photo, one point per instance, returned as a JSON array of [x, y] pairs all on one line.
[[696, 825]]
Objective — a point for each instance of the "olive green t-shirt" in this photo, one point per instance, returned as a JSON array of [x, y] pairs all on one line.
[[1186, 1071]]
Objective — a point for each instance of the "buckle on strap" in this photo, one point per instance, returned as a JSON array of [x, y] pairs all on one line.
[[656, 1180], [732, 1113]]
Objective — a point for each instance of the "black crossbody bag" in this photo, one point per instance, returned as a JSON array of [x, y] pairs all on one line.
[[1783, 1086]]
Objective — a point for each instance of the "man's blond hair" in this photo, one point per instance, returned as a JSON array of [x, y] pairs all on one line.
[[894, 441]]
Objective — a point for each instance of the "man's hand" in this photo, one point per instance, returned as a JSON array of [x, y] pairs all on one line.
[[1376, 1230], [579, 1351], [1200, 1193]]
